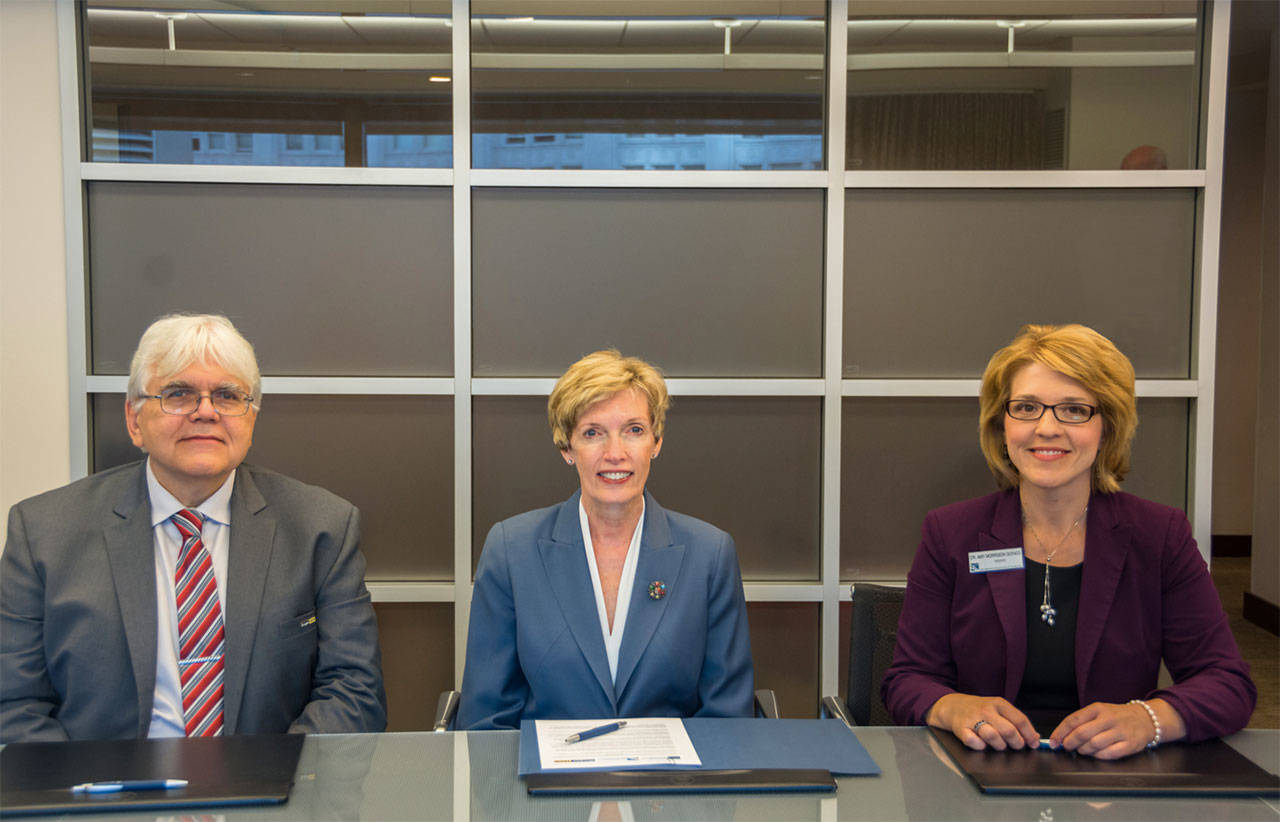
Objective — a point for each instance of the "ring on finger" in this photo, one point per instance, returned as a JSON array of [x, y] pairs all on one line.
[[978, 725]]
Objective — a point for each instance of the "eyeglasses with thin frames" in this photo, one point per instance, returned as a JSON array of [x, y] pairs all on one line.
[[1071, 413], [179, 401]]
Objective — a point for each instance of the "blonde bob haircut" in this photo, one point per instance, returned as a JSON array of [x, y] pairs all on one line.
[[598, 377], [1085, 356], [175, 342]]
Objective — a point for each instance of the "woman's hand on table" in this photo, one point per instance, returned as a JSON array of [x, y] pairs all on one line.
[[982, 722], [1108, 730]]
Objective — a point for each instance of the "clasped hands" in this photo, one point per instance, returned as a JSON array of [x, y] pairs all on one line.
[[1101, 729]]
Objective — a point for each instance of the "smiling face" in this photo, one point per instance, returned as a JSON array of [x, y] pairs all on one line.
[[611, 446], [1052, 455], [192, 454]]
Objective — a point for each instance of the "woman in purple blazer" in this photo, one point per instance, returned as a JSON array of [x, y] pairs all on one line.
[[1060, 595]]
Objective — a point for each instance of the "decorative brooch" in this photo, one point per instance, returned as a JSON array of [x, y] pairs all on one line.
[[657, 589]]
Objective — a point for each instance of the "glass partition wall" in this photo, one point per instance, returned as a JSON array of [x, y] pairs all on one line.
[[819, 219]]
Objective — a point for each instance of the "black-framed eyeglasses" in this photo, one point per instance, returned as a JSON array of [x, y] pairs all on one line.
[[228, 402], [1071, 413]]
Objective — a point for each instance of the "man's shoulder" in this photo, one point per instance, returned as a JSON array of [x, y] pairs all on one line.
[[97, 492]]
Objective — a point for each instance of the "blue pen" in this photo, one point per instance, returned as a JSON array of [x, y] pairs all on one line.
[[1045, 746], [129, 785], [598, 731]]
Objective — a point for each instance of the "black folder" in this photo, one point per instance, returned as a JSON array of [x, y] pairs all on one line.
[[1211, 768], [36, 777]]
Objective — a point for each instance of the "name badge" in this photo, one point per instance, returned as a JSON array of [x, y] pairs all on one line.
[[1001, 559]]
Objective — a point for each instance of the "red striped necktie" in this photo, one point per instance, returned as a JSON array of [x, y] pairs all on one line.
[[200, 634]]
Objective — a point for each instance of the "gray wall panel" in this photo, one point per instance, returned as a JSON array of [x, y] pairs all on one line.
[[324, 280], [748, 465], [391, 456], [937, 280], [903, 457], [710, 283]]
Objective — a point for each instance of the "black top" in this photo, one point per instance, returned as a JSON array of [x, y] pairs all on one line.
[[1049, 681]]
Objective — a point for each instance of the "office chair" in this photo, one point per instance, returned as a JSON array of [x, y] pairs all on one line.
[[447, 708], [873, 634]]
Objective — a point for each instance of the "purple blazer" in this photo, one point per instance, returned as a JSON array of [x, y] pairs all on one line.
[[1146, 595]]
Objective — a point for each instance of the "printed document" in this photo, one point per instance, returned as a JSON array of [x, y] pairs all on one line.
[[643, 743]]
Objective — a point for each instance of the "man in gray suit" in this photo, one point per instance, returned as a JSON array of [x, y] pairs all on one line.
[[189, 593]]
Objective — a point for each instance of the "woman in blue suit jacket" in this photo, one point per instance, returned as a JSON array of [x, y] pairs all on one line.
[[606, 604], [1060, 596]]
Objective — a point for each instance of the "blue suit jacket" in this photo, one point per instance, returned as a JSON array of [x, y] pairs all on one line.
[[1145, 596], [535, 649], [78, 612]]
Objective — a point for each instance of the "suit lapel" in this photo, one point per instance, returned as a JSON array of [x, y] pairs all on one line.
[[252, 541], [1008, 589], [1107, 542], [130, 548], [659, 560], [565, 561]]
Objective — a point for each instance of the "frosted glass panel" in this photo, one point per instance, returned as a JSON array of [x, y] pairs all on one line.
[[323, 280], [417, 660], [784, 649], [713, 283], [937, 280], [748, 465], [390, 456], [903, 457]]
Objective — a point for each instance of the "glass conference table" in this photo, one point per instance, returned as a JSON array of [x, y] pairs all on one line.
[[473, 776]]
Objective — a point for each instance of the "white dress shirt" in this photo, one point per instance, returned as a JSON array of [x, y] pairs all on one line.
[[166, 709], [612, 639]]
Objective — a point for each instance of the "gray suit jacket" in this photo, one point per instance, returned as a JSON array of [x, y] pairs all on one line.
[[78, 612]]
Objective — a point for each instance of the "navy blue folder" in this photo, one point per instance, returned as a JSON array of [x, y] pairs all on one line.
[[758, 744]]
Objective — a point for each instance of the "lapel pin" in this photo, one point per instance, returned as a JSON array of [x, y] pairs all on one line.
[[657, 589]]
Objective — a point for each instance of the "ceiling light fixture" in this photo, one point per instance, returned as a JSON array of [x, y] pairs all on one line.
[[1010, 25], [726, 24], [169, 17]]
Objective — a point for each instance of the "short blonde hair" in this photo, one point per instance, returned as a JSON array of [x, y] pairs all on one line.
[[1085, 356], [175, 342], [597, 377]]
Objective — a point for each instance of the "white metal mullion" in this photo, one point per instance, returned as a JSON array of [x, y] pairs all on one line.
[[371, 386], [677, 386], [611, 178], [410, 591], [461, 55], [1205, 324], [280, 175], [1177, 178], [833, 343], [74, 231], [784, 591], [970, 388]]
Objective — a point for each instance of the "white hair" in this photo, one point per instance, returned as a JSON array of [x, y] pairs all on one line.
[[175, 342]]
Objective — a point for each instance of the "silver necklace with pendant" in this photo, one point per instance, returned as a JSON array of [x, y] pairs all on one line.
[[1047, 612]]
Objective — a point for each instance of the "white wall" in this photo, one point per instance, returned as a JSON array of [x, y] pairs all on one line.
[[1116, 109], [34, 420]]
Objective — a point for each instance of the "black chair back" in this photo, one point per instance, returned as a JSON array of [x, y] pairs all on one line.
[[872, 638]]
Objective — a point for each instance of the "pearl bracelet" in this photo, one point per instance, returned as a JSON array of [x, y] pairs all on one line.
[[1151, 713]]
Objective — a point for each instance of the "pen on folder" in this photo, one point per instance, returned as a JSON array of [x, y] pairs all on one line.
[[129, 785], [597, 731]]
